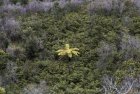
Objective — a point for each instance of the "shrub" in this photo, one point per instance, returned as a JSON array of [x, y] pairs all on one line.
[[40, 88], [10, 75], [109, 7], [14, 1], [10, 25], [4, 41], [15, 51], [24, 2], [33, 47], [130, 47]]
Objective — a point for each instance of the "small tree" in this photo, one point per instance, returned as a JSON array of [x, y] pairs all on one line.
[[68, 52]]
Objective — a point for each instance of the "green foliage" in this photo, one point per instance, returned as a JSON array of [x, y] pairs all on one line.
[[57, 11], [135, 26], [21, 1], [1, 2], [24, 1], [33, 47], [99, 36], [81, 79], [2, 90], [2, 52], [3, 40], [14, 1], [129, 68]]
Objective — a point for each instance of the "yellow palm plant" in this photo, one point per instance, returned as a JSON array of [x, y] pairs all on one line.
[[67, 51], [2, 90]]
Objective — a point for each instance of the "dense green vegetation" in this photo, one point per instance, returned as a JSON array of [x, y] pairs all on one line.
[[107, 38]]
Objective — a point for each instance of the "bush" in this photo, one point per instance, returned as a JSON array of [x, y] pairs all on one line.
[[33, 47], [14, 1], [4, 41], [24, 2]]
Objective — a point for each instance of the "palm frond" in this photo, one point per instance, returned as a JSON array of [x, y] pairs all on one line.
[[68, 51]]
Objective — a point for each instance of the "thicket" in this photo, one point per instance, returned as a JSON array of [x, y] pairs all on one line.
[[106, 32]]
